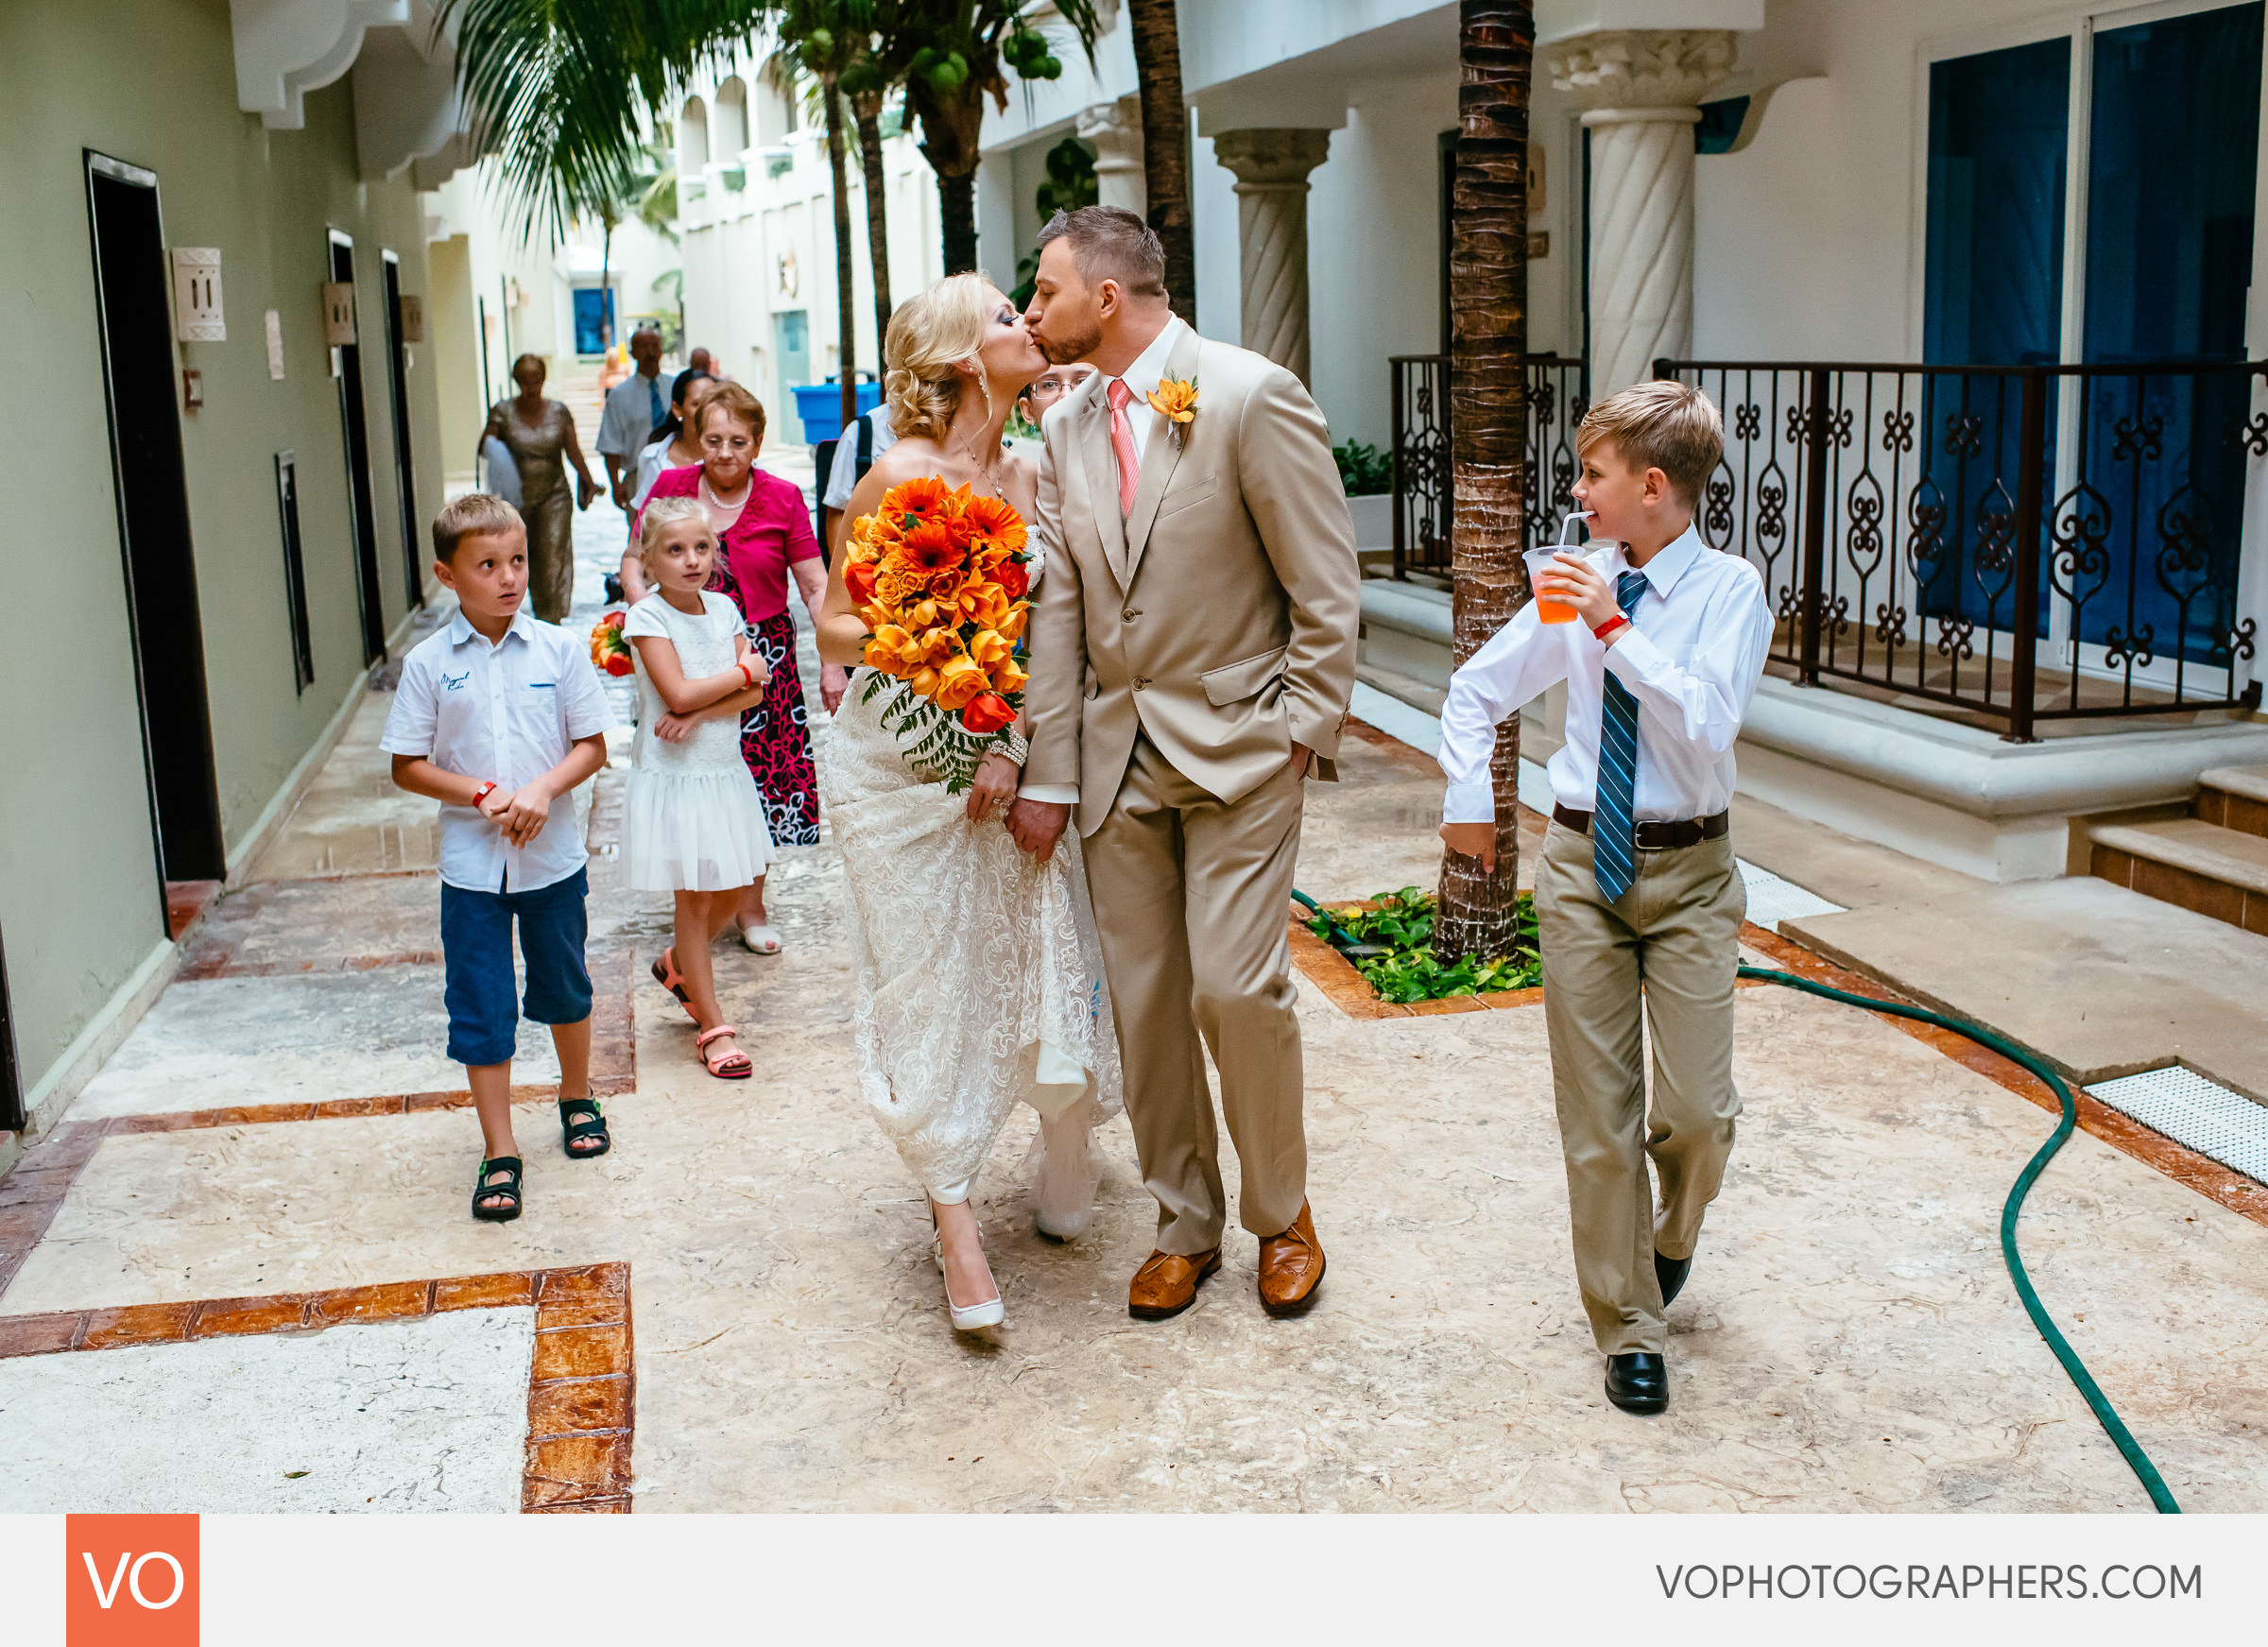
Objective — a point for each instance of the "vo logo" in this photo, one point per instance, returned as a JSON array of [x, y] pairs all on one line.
[[130, 1581]]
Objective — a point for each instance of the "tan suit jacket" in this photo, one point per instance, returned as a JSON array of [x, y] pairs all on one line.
[[1220, 614]]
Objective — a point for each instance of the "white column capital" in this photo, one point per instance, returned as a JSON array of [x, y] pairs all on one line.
[[1271, 157], [1115, 130], [1640, 74]]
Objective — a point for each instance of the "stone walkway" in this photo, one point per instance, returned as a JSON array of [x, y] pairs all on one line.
[[244, 1276]]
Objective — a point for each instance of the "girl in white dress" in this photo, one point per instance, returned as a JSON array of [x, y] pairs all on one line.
[[692, 822], [979, 978]]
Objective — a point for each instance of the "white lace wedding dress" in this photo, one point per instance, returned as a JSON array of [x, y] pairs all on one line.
[[980, 980]]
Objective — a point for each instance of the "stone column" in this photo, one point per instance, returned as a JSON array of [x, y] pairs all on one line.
[[1271, 166], [1115, 130], [1642, 89]]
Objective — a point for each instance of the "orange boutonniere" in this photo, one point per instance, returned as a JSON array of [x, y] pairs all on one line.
[[1175, 401]]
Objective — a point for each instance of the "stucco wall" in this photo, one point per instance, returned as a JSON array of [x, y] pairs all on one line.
[[78, 900]]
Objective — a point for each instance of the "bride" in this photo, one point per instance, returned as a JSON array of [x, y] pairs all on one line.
[[980, 982]]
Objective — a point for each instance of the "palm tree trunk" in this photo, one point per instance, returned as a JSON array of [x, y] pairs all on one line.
[[869, 112], [950, 126], [845, 299], [1487, 402], [1165, 147], [605, 290]]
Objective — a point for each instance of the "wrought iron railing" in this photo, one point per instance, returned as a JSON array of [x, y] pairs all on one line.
[[1929, 530], [1558, 392]]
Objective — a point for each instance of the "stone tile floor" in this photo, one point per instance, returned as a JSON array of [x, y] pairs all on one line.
[[1849, 1340]]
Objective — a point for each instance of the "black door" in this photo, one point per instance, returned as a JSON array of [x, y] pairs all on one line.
[[12, 1073], [362, 516], [153, 517], [406, 475]]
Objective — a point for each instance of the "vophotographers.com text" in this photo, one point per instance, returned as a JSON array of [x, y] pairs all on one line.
[[1914, 1581]]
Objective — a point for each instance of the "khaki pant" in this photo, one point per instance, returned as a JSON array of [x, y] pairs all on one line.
[[1677, 930], [1190, 901]]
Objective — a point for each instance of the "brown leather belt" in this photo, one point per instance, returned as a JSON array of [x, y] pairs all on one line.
[[1655, 837]]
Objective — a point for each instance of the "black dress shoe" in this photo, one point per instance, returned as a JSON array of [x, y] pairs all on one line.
[[1638, 1383], [1671, 1273]]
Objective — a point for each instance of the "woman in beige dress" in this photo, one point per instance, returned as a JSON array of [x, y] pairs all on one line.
[[539, 434]]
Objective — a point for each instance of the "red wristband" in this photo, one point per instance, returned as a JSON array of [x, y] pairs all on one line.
[[1611, 627], [482, 793], [748, 676]]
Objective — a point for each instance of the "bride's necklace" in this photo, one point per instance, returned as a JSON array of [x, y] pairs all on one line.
[[990, 476]]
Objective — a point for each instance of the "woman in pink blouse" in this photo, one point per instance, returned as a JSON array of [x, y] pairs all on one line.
[[765, 532]]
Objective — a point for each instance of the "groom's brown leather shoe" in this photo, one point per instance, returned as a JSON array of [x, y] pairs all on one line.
[[1291, 1267], [1167, 1283]]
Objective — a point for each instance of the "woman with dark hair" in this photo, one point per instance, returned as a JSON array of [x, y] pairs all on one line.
[[672, 445], [540, 435], [765, 531]]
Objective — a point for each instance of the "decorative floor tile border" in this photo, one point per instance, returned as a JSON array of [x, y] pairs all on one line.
[[582, 1385]]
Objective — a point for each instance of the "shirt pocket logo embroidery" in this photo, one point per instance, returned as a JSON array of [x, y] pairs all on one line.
[[455, 683]]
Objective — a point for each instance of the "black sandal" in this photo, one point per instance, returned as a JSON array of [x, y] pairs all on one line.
[[579, 1119], [508, 1192]]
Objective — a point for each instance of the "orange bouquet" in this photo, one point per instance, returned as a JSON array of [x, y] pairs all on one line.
[[938, 578], [608, 650]]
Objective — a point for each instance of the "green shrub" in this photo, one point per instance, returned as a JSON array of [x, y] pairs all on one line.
[[1404, 925], [1364, 471]]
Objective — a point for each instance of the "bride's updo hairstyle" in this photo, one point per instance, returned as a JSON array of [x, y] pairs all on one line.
[[930, 335]]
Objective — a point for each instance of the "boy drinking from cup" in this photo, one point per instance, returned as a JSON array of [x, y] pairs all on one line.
[[1637, 881]]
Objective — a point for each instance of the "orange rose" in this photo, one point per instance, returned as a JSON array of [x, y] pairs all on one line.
[[987, 713], [1013, 580], [1012, 625], [887, 650], [958, 682], [1009, 676], [936, 644], [923, 682], [858, 578], [986, 648]]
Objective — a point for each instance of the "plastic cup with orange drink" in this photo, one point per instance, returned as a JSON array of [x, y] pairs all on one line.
[[1541, 561]]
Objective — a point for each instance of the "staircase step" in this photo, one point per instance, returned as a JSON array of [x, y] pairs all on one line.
[[2188, 862], [2235, 798]]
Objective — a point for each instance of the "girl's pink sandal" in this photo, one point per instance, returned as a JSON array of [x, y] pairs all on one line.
[[667, 975], [733, 1066]]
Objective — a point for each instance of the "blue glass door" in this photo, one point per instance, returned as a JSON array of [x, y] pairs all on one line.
[[593, 319], [2172, 147], [1999, 144]]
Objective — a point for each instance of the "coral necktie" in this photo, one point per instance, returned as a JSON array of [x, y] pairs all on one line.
[[1122, 442]]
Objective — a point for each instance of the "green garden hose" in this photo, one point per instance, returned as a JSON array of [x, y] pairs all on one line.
[[2113, 1426]]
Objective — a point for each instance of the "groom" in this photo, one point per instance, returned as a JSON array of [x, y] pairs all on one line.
[[1192, 657]]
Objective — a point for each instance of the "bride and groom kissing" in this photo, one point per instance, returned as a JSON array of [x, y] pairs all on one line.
[[1190, 657]]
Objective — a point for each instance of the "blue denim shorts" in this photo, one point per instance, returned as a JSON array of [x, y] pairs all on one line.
[[476, 951]]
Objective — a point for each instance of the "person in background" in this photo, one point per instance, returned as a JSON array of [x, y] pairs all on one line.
[[674, 446], [1050, 386], [539, 434], [635, 407], [701, 360], [764, 530], [854, 453]]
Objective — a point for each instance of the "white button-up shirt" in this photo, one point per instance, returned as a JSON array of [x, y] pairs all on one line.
[[508, 711], [628, 420], [1692, 658]]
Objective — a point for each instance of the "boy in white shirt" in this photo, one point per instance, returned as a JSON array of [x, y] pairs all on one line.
[[498, 717], [1637, 879]]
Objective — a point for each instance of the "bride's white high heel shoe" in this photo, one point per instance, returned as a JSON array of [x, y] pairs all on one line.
[[989, 1314]]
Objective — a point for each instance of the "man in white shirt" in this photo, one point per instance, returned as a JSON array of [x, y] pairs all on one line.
[[635, 407], [1637, 881], [499, 717], [851, 463]]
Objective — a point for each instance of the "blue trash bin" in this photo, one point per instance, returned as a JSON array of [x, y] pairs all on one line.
[[820, 406]]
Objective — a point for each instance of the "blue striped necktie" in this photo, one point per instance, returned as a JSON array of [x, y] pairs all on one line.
[[1614, 853]]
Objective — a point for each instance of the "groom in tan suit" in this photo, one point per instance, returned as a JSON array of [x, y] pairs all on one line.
[[1192, 657]]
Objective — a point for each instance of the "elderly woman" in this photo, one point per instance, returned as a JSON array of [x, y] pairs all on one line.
[[765, 531], [540, 435]]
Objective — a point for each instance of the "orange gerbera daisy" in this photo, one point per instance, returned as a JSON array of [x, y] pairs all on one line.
[[928, 549], [920, 497], [994, 521]]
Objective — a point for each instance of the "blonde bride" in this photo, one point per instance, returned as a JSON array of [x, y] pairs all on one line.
[[979, 978]]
